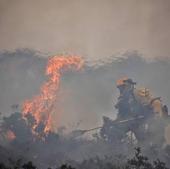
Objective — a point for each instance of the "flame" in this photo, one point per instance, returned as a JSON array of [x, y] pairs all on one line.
[[43, 105], [10, 135]]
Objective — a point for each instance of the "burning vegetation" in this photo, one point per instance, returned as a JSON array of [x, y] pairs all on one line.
[[42, 106], [141, 121]]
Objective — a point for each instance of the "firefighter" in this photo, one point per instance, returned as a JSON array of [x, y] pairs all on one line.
[[133, 103], [138, 101]]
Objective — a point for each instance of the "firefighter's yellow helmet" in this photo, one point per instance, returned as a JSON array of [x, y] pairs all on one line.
[[124, 81], [121, 81]]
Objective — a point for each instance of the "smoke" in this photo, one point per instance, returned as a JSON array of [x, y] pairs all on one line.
[[22, 73], [43, 105], [91, 28], [85, 96]]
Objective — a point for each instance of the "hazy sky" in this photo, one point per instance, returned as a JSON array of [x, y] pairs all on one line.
[[92, 28]]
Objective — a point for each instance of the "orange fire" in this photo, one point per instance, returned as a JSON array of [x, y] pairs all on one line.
[[10, 135], [43, 105]]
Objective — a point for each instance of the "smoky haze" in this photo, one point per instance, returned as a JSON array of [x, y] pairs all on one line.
[[84, 96], [91, 28]]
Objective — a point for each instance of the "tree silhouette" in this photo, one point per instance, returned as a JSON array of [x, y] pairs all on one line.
[[142, 162], [29, 165]]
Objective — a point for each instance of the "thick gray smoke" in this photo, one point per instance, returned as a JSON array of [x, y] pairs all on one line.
[[85, 95], [22, 73], [91, 28]]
